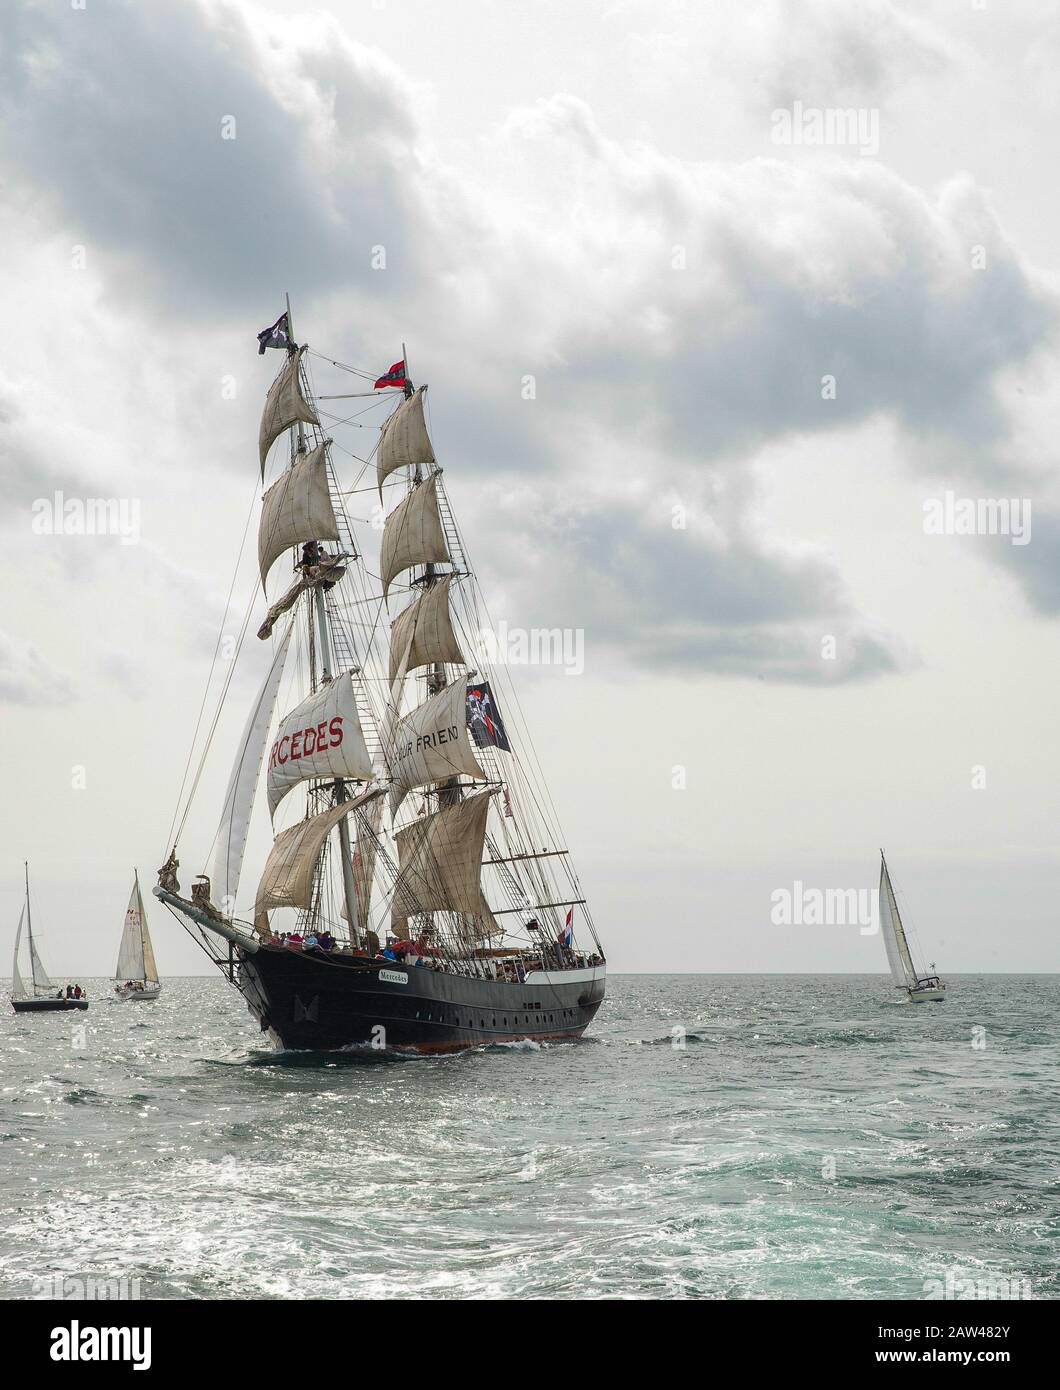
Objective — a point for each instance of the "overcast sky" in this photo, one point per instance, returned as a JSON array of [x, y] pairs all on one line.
[[793, 347]]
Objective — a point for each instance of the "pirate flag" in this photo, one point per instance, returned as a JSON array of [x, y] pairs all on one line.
[[484, 721], [276, 336]]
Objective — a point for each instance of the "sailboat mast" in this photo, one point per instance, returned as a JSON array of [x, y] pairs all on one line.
[[29, 915], [349, 887], [290, 350], [143, 921]]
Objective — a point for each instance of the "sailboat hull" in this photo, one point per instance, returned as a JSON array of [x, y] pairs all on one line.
[[47, 1006], [320, 1002], [926, 996], [137, 996]]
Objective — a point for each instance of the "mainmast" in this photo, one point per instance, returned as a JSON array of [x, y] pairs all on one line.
[[448, 791], [349, 886]]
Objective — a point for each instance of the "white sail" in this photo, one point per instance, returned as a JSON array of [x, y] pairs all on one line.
[[231, 838], [40, 975], [131, 951], [284, 406], [287, 879], [296, 508], [427, 624], [440, 863], [18, 989], [431, 744], [413, 533], [136, 959], [404, 441], [322, 737], [898, 956], [150, 968]]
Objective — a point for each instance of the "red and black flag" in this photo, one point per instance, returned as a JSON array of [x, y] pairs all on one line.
[[484, 721], [277, 336], [394, 377]]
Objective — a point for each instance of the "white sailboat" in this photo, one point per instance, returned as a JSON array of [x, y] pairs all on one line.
[[41, 995], [920, 986], [136, 975]]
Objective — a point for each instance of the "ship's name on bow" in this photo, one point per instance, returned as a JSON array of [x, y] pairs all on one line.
[[394, 977], [430, 740]]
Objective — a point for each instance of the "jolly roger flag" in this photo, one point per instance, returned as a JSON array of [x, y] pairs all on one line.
[[484, 721], [276, 336]]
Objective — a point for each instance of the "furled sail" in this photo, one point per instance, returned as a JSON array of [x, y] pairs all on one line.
[[287, 879], [329, 571], [431, 744], [427, 624], [231, 838], [18, 989], [404, 441], [898, 956], [413, 534], [322, 737], [297, 508], [440, 863], [284, 406]]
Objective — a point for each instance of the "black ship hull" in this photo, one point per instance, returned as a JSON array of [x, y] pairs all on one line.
[[317, 1001], [47, 1006]]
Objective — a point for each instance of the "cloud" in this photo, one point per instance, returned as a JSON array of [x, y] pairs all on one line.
[[120, 126], [827, 53], [675, 316], [684, 598], [1036, 565], [27, 679]]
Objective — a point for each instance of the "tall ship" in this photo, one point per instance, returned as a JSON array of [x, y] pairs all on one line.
[[38, 994], [418, 893], [136, 975], [921, 986]]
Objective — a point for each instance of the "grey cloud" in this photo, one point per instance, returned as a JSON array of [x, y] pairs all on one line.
[[561, 267], [666, 599], [119, 120], [1036, 565]]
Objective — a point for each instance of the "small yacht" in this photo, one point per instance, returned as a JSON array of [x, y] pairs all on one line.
[[136, 975], [921, 986], [40, 995]]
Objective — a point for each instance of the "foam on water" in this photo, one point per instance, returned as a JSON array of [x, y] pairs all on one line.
[[713, 1136]]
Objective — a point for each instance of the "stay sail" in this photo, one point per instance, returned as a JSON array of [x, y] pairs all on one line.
[[417, 883]]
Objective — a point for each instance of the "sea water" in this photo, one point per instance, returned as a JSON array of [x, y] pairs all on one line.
[[710, 1137]]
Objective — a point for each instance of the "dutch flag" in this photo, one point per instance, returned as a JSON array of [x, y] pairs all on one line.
[[567, 935]]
